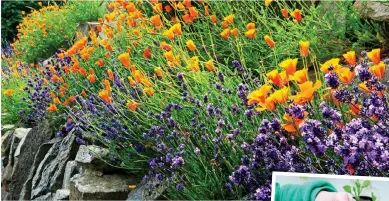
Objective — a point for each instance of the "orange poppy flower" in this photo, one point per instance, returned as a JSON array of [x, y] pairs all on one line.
[[168, 56], [304, 48], [72, 98], [104, 94], [8, 92], [55, 78], [269, 41], [346, 75], [56, 100], [307, 91], [52, 69], [229, 19], [355, 108], [250, 26], [331, 65], [158, 71], [225, 24], [83, 93], [92, 78], [250, 33], [61, 56], [169, 34], [193, 12], [165, 46], [289, 65], [190, 44], [300, 76], [210, 65], [110, 74], [187, 19], [156, 20], [138, 76], [350, 57], [225, 33], [375, 56], [66, 103], [149, 91], [292, 124], [280, 96], [234, 32], [260, 95], [147, 53], [193, 64], [131, 81], [100, 62], [52, 108], [146, 82], [176, 28], [378, 70], [206, 10], [279, 79], [82, 71], [296, 14], [107, 85], [132, 105], [213, 18], [285, 13]]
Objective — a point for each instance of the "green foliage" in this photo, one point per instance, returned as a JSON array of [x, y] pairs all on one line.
[[13, 104], [357, 189], [45, 31]]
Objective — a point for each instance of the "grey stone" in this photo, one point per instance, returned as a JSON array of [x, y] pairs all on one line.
[[46, 197], [37, 136], [18, 133], [106, 187], [70, 170], [375, 10], [25, 193], [6, 127], [84, 29], [141, 192], [61, 194], [50, 172], [6, 142], [90, 154]]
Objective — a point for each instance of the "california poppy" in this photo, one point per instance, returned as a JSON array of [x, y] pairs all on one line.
[[304, 48], [250, 26], [92, 78], [8, 92], [213, 18], [234, 32], [52, 108], [269, 41], [158, 71], [149, 91], [378, 70], [132, 105], [268, 2], [156, 20], [104, 94], [131, 81], [250, 33], [331, 65], [169, 34], [72, 98], [307, 90], [225, 33], [229, 19], [210, 65], [100, 62], [285, 13], [259, 96], [296, 14], [280, 96], [300, 76], [279, 79], [147, 53], [190, 44], [193, 64], [346, 75], [289, 65], [375, 56], [350, 57]]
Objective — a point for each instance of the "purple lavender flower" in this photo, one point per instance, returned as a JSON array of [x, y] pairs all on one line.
[[241, 175], [332, 80]]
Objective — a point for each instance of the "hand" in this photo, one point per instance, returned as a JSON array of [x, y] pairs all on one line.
[[333, 196]]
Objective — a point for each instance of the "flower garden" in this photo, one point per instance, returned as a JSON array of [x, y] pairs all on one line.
[[207, 98]]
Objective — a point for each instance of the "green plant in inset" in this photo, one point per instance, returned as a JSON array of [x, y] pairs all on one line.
[[356, 190]]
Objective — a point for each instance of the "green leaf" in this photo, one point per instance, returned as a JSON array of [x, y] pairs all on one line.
[[365, 184], [373, 196], [347, 188]]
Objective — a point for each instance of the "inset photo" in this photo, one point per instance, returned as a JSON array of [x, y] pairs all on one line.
[[288, 186]]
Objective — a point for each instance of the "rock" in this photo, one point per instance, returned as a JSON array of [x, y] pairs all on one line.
[[22, 164], [47, 197], [142, 193], [20, 133], [61, 194], [375, 10], [70, 170], [25, 193], [50, 172], [93, 157], [6, 127], [84, 28], [106, 187], [6, 141]]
